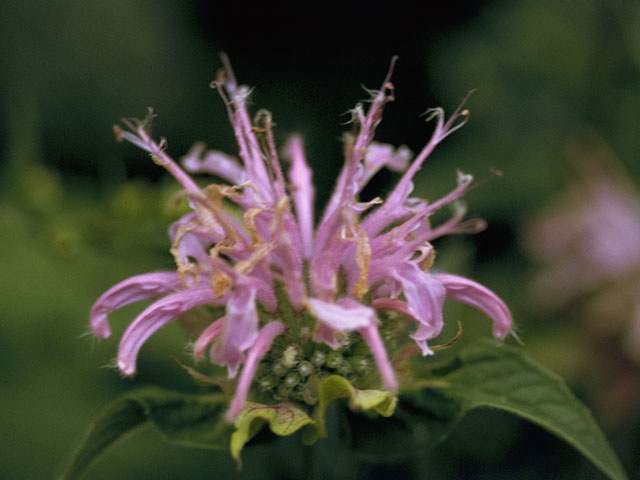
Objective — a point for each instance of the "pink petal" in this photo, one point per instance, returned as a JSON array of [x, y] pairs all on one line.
[[394, 207], [160, 157], [346, 315], [156, 316], [323, 274], [260, 347], [250, 152], [242, 324], [349, 315], [381, 155], [423, 333], [480, 297], [347, 184], [424, 294], [207, 336], [324, 333], [214, 162], [372, 337], [302, 191], [134, 289]]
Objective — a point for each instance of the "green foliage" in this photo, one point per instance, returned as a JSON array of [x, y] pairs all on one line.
[[192, 420], [198, 420], [483, 374], [486, 374], [490, 374]]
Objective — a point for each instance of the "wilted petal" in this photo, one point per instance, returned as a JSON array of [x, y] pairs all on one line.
[[189, 243], [142, 139], [260, 346], [480, 297], [156, 316], [131, 290]]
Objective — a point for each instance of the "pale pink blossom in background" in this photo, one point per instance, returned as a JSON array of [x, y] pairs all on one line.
[[588, 243], [343, 273]]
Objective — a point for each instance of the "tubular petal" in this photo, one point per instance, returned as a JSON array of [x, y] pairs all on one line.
[[214, 162], [131, 290], [156, 316], [242, 324], [207, 336], [480, 297], [424, 293], [260, 347], [302, 191], [345, 317], [372, 337]]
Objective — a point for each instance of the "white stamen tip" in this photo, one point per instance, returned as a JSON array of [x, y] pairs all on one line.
[[125, 368]]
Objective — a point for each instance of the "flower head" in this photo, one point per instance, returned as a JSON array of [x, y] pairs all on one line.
[[302, 298]]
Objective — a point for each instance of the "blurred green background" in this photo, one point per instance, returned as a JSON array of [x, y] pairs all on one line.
[[79, 212]]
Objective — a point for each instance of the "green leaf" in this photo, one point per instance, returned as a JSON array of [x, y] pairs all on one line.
[[335, 387], [422, 420], [283, 419], [120, 418], [491, 374], [194, 420]]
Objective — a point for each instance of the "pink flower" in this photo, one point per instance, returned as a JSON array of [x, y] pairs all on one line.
[[291, 292], [588, 241]]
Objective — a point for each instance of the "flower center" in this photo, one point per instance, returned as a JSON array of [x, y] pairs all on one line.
[[295, 364]]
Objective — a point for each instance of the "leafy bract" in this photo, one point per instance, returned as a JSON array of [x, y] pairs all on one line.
[[335, 387], [283, 420]]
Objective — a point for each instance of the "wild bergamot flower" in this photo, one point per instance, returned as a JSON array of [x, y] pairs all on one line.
[[302, 299]]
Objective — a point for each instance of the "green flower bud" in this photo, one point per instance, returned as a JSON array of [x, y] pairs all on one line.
[[345, 341], [305, 368], [308, 395], [267, 383], [279, 368], [283, 391], [291, 380], [289, 356], [296, 394], [334, 360], [318, 358], [345, 368], [360, 364]]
